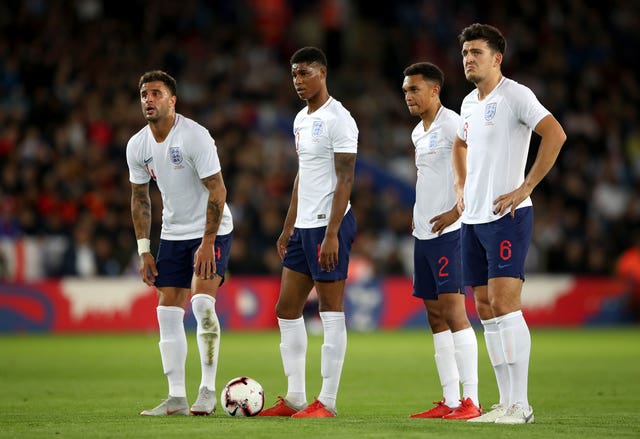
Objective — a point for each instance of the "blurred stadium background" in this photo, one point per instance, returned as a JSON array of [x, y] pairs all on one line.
[[69, 102]]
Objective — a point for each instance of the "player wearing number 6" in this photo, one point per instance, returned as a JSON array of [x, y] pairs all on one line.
[[437, 261], [493, 195]]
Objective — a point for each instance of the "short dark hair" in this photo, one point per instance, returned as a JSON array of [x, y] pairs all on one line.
[[485, 32], [309, 55], [429, 72], [159, 75]]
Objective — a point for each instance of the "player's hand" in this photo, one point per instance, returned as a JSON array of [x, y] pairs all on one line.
[[444, 220], [282, 243], [204, 261], [510, 201], [328, 257], [148, 270]]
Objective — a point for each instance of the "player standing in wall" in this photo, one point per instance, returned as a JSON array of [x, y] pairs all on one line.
[[181, 156], [316, 237], [493, 194], [437, 261]]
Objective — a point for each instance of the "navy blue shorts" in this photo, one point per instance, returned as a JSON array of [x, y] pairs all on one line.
[[303, 250], [437, 266], [496, 249], [175, 260]]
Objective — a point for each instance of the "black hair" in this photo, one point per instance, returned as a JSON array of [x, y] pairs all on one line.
[[159, 75], [485, 32], [429, 72], [309, 55]]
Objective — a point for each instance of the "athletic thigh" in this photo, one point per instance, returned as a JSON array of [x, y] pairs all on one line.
[[294, 291], [330, 295]]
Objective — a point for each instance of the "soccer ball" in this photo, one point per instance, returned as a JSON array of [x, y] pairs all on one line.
[[242, 396]]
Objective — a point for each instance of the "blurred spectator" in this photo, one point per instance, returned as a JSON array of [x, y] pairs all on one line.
[[79, 258], [67, 109]]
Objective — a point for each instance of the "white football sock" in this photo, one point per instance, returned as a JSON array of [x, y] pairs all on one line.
[[173, 347], [466, 345], [446, 366], [293, 348], [334, 348], [516, 342], [496, 355], [208, 336]]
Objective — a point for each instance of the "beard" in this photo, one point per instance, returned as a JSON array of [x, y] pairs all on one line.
[[473, 77]]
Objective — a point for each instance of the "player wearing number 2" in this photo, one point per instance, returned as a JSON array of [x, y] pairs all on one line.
[[437, 260], [493, 194], [195, 240]]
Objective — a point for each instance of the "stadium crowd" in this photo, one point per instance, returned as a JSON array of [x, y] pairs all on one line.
[[69, 103]]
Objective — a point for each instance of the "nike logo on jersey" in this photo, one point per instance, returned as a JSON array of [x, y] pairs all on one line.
[[147, 161], [501, 266]]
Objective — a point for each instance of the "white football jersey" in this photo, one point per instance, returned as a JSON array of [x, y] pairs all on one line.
[[497, 131], [435, 193], [318, 136], [186, 156]]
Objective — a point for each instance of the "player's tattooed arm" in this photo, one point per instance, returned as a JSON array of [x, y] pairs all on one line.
[[345, 164], [141, 210], [215, 204], [345, 169]]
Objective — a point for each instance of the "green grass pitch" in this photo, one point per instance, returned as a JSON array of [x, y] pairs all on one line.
[[584, 383]]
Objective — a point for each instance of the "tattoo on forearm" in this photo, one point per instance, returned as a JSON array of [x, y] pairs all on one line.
[[141, 210], [214, 216], [345, 165]]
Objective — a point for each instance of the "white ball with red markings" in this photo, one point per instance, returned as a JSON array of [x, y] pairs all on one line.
[[242, 397]]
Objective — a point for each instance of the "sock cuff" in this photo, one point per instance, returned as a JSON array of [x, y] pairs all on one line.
[[203, 296], [490, 325], [170, 322], [290, 323], [465, 336], [512, 315], [331, 316], [169, 309], [443, 339]]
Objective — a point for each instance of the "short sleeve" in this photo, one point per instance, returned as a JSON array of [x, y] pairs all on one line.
[[526, 106], [344, 135], [204, 153], [138, 173]]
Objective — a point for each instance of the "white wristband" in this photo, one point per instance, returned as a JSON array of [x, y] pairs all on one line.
[[144, 246]]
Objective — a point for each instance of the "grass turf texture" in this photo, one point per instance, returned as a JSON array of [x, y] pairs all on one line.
[[583, 383]]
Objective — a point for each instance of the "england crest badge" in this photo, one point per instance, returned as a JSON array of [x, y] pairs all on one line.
[[317, 129], [490, 110], [176, 155]]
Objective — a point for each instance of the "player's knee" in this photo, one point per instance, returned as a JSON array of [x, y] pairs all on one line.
[[287, 311], [172, 298], [456, 320], [484, 310], [436, 320], [503, 305]]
